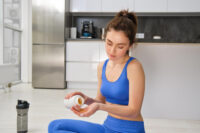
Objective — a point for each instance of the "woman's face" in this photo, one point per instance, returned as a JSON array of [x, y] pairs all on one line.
[[117, 44]]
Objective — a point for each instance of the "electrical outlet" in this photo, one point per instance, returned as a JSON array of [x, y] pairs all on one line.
[[140, 35]]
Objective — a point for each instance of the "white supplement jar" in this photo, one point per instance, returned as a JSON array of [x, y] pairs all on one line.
[[74, 100]]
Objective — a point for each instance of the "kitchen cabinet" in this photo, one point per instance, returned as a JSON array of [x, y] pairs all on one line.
[[150, 5], [82, 59], [81, 72], [82, 51], [140, 6], [102, 52], [117, 5], [183, 6], [100, 5], [85, 5]]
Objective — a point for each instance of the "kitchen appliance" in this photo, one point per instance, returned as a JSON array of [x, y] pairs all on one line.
[[73, 33], [87, 29], [49, 21], [102, 33]]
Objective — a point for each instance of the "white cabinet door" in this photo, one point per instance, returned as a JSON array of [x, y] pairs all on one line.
[[183, 5], [103, 55], [82, 51], [81, 72], [150, 5], [85, 5], [117, 5]]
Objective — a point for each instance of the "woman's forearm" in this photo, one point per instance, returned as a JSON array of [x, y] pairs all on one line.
[[120, 110], [93, 100]]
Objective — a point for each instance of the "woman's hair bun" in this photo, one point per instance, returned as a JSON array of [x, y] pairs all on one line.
[[130, 15], [124, 21], [123, 13]]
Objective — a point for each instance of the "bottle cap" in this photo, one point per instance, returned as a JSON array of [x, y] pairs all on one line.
[[22, 104], [79, 100]]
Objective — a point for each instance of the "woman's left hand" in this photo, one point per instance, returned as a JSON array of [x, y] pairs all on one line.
[[86, 112], [89, 110]]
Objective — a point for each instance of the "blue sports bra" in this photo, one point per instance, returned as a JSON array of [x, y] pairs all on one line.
[[116, 92]]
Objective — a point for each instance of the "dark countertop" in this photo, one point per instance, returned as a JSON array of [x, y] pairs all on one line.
[[85, 39], [138, 41]]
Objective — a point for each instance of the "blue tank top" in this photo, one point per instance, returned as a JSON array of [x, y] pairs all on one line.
[[116, 92]]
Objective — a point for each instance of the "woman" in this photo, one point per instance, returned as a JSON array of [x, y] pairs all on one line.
[[121, 84]]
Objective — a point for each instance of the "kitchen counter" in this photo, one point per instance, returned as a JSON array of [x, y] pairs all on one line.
[[85, 39], [138, 41]]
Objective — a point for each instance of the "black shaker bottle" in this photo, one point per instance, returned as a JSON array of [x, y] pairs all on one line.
[[22, 116]]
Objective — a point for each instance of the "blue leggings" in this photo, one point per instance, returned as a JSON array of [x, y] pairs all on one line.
[[111, 125]]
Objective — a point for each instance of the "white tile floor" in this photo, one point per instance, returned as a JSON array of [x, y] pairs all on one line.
[[47, 105]]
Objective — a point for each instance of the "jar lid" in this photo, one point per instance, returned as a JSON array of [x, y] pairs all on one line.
[[22, 104]]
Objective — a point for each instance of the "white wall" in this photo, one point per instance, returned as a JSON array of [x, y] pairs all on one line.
[[26, 47], [1, 32], [172, 80]]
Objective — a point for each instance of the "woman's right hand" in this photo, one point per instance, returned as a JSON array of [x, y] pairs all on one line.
[[86, 98]]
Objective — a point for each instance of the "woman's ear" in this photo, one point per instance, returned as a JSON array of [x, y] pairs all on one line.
[[131, 45]]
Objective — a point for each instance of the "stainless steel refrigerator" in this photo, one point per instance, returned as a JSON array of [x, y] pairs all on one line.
[[49, 22]]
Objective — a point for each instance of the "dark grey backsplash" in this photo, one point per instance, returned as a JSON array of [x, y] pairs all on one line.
[[182, 29], [171, 29]]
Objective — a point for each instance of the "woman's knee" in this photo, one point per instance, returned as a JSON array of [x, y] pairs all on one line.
[[53, 125]]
